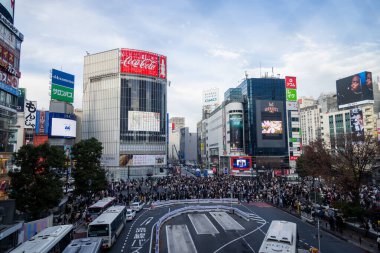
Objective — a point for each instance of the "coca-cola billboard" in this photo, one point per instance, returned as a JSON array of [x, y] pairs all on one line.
[[142, 63]]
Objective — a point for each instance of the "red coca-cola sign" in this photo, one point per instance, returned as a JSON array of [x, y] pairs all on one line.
[[142, 63], [290, 82]]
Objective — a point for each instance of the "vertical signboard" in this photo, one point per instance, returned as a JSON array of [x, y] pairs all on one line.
[[21, 99], [236, 133], [294, 138], [62, 86], [30, 114]]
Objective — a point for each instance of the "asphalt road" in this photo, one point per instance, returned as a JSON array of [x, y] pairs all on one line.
[[219, 232]]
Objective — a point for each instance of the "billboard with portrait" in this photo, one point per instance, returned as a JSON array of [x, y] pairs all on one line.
[[241, 162], [142, 63], [355, 90], [236, 132], [357, 125], [143, 121]]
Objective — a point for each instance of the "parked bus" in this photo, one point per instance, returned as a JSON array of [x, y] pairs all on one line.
[[281, 237], [108, 225], [99, 207], [50, 240], [84, 245]]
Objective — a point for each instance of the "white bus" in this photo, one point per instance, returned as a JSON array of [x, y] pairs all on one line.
[[50, 240], [281, 237], [99, 207], [84, 245], [108, 225]]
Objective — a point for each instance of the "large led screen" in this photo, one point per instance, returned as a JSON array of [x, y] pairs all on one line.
[[63, 127], [143, 63], [143, 121], [357, 125], [270, 124], [142, 160], [355, 90], [236, 133], [241, 162]]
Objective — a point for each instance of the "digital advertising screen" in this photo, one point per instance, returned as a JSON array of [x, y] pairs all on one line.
[[355, 90], [270, 124], [143, 63], [236, 133], [241, 162], [62, 125], [357, 125]]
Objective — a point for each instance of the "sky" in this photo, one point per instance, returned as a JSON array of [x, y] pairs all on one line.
[[208, 43]]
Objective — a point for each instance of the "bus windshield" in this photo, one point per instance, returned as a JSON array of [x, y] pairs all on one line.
[[94, 210], [98, 230]]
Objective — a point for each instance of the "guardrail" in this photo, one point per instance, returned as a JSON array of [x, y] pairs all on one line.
[[194, 201], [188, 209]]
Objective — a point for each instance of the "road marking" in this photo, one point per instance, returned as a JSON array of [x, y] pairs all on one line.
[[226, 221], [202, 224], [178, 239], [147, 221]]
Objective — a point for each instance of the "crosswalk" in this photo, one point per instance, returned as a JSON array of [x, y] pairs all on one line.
[[179, 236]]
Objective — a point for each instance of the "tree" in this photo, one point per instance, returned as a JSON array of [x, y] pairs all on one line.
[[37, 187], [344, 165], [353, 159], [89, 176]]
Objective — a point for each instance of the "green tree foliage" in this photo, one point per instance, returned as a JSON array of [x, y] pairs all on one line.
[[37, 187], [89, 176]]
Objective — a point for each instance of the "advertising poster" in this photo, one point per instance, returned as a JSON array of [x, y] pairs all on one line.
[[236, 133], [357, 125], [143, 121], [271, 122], [62, 86], [355, 90], [142, 160]]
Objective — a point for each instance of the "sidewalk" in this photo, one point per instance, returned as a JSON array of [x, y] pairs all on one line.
[[348, 234], [357, 238]]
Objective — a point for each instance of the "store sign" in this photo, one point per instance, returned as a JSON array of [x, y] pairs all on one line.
[[290, 82], [62, 86], [271, 108], [291, 95], [291, 106], [30, 114]]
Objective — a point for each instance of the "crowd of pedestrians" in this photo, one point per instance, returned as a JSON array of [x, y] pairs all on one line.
[[299, 196]]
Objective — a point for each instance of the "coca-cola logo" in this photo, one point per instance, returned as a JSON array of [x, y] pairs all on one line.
[[142, 63]]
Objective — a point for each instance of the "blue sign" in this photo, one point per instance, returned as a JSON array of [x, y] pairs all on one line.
[[9, 89], [225, 171], [62, 78]]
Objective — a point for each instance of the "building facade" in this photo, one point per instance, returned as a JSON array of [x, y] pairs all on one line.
[[265, 121], [125, 108]]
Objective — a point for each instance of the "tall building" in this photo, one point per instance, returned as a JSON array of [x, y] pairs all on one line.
[[125, 108], [188, 146], [176, 123], [265, 121], [10, 46]]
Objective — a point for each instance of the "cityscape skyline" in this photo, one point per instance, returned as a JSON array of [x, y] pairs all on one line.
[[207, 44]]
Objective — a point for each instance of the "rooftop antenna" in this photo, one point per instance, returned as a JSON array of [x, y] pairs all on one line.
[[260, 69], [246, 74], [87, 53]]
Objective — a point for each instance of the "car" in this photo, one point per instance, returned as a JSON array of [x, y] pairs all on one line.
[[137, 206], [130, 214]]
